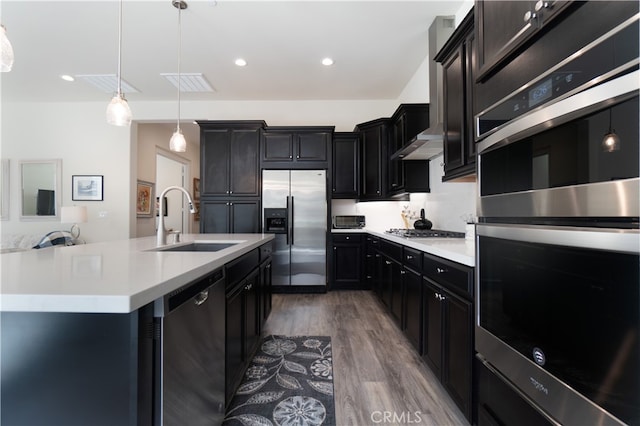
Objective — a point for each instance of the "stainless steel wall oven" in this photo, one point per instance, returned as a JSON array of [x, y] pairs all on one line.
[[558, 243]]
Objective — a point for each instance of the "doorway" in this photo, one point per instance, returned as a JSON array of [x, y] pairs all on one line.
[[172, 170]]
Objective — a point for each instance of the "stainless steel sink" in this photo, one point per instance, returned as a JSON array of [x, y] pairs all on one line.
[[198, 246]]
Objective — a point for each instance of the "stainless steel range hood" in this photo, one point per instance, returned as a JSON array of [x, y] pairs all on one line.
[[428, 143]]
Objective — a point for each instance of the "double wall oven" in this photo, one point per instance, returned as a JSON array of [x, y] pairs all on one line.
[[558, 244]]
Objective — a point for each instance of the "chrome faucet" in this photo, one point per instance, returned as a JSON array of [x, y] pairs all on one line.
[[162, 234]]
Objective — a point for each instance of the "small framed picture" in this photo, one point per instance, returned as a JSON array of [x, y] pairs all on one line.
[[196, 188], [87, 187], [144, 199]]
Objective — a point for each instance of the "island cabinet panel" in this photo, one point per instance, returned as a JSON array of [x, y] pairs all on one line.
[[77, 369]]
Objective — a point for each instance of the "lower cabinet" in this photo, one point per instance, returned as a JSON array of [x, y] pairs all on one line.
[[347, 262], [248, 303], [229, 216], [448, 327], [412, 312]]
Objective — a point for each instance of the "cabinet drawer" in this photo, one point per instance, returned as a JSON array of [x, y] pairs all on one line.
[[457, 278], [239, 268], [373, 243], [347, 238], [412, 258], [392, 250]]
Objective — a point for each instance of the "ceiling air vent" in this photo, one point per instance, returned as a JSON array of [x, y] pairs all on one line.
[[107, 83], [189, 82]]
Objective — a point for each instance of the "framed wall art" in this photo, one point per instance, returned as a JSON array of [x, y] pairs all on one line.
[[87, 187], [145, 198]]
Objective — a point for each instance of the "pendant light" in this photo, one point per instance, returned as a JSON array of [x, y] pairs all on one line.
[[6, 50], [610, 141], [178, 142], [118, 111]]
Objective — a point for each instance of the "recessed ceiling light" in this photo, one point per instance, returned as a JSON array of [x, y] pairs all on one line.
[[67, 77], [241, 62], [327, 61]]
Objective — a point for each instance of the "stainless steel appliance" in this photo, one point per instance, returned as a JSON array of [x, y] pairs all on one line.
[[190, 353], [424, 233], [558, 244], [349, 222], [295, 209]]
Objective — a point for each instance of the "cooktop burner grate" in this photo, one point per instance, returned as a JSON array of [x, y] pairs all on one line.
[[424, 233]]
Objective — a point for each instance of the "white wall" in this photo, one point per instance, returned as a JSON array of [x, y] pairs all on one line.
[[78, 134]]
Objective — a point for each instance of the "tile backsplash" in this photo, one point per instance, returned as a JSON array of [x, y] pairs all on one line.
[[447, 206]]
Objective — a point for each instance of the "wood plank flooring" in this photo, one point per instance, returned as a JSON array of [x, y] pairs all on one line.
[[378, 376]]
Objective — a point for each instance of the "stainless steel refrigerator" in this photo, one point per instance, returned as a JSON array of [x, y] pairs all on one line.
[[295, 209]]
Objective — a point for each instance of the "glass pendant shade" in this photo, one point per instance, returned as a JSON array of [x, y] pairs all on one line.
[[611, 142], [6, 51], [178, 143], [118, 111]]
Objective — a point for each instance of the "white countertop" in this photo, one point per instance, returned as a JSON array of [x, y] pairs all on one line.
[[458, 250], [109, 277]]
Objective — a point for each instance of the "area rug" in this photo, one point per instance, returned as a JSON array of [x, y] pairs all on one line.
[[288, 382]]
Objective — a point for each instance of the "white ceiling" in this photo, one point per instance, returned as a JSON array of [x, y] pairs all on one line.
[[377, 47]]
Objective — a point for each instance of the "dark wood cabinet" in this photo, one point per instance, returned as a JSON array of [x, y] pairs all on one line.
[[229, 160], [347, 262], [457, 57], [412, 310], [346, 165], [505, 26], [266, 282], [371, 254], [406, 122], [305, 147], [374, 137], [234, 216], [448, 326], [251, 313]]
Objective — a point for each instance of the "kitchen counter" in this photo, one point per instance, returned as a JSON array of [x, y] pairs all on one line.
[[458, 250], [109, 277]]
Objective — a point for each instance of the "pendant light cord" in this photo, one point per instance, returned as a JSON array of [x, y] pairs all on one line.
[[179, 57], [120, 50]]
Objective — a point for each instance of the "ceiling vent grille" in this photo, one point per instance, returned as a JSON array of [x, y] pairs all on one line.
[[107, 83], [189, 82]]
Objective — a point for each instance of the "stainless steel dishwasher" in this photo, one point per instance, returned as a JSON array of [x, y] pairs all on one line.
[[190, 354]]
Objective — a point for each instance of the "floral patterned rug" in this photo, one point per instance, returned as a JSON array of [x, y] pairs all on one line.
[[288, 382]]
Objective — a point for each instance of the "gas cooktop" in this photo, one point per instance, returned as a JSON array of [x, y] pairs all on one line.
[[424, 233]]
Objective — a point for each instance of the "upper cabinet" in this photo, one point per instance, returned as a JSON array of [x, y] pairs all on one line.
[[458, 58], [374, 137], [345, 174], [306, 147], [505, 26], [229, 153], [407, 122]]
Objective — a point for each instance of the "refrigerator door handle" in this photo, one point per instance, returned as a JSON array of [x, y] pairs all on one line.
[[292, 224], [288, 219]]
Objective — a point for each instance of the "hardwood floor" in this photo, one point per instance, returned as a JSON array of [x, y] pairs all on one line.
[[378, 376]]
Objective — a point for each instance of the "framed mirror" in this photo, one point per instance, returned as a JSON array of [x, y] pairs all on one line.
[[41, 185], [4, 189]]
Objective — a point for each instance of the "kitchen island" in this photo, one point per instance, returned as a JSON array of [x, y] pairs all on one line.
[[108, 333]]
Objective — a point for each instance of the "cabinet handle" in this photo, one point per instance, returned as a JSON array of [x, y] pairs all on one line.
[[377, 255], [409, 257], [369, 277], [334, 190], [387, 262], [369, 255], [442, 297], [543, 5], [441, 270], [249, 287], [403, 272], [269, 266], [297, 156], [230, 204], [529, 16], [230, 192], [227, 192], [335, 248], [201, 297], [346, 238], [291, 156]]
